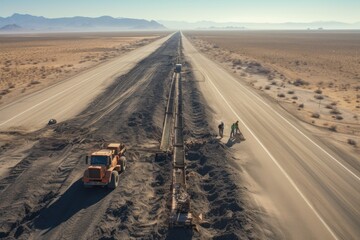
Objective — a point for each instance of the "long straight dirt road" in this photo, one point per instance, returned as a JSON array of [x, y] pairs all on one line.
[[308, 188], [68, 98]]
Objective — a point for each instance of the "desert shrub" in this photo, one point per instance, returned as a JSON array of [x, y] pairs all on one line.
[[315, 115], [294, 97], [23, 90], [335, 111], [267, 87], [33, 82], [300, 82], [338, 117], [334, 103], [351, 142], [333, 128], [236, 62], [329, 106], [273, 83], [215, 46], [4, 92], [11, 85], [318, 91], [256, 64], [301, 105], [319, 97], [270, 77], [281, 95], [290, 92]]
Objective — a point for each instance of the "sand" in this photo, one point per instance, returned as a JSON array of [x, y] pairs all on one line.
[[29, 62], [315, 75]]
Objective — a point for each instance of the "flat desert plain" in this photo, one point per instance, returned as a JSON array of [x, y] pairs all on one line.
[[315, 75], [29, 62]]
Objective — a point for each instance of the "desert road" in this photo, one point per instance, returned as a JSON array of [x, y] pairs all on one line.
[[68, 98], [309, 189]]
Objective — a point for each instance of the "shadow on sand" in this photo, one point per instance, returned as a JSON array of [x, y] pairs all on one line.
[[238, 138], [179, 234], [72, 201]]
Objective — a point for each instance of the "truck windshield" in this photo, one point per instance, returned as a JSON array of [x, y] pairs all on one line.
[[99, 160]]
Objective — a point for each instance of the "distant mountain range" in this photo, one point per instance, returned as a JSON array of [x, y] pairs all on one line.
[[11, 28], [105, 23], [265, 26]]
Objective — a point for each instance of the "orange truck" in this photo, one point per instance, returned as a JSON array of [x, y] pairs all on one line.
[[105, 166]]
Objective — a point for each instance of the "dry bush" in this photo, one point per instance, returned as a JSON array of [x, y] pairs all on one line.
[[333, 128], [270, 77], [267, 87], [351, 142], [273, 83], [301, 105], [11, 85], [294, 97], [300, 82], [329, 106], [319, 97], [290, 92], [33, 82], [236, 62], [318, 91], [281, 95], [335, 111], [4, 92], [315, 115], [338, 117]]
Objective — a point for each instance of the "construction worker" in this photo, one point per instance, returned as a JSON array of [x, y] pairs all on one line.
[[237, 130], [233, 128], [221, 129]]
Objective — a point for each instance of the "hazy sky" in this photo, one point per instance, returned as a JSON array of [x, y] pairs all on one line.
[[193, 10]]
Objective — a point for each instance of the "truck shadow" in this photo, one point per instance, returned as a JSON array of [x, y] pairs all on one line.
[[72, 201], [179, 233]]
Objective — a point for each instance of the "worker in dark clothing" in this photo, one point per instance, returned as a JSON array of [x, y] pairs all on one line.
[[221, 130]]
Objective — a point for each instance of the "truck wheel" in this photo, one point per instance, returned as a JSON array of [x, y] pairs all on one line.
[[114, 180], [123, 163]]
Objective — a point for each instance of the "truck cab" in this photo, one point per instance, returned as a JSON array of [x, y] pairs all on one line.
[[105, 166]]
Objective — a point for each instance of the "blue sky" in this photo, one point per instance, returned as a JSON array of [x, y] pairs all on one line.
[[193, 10]]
